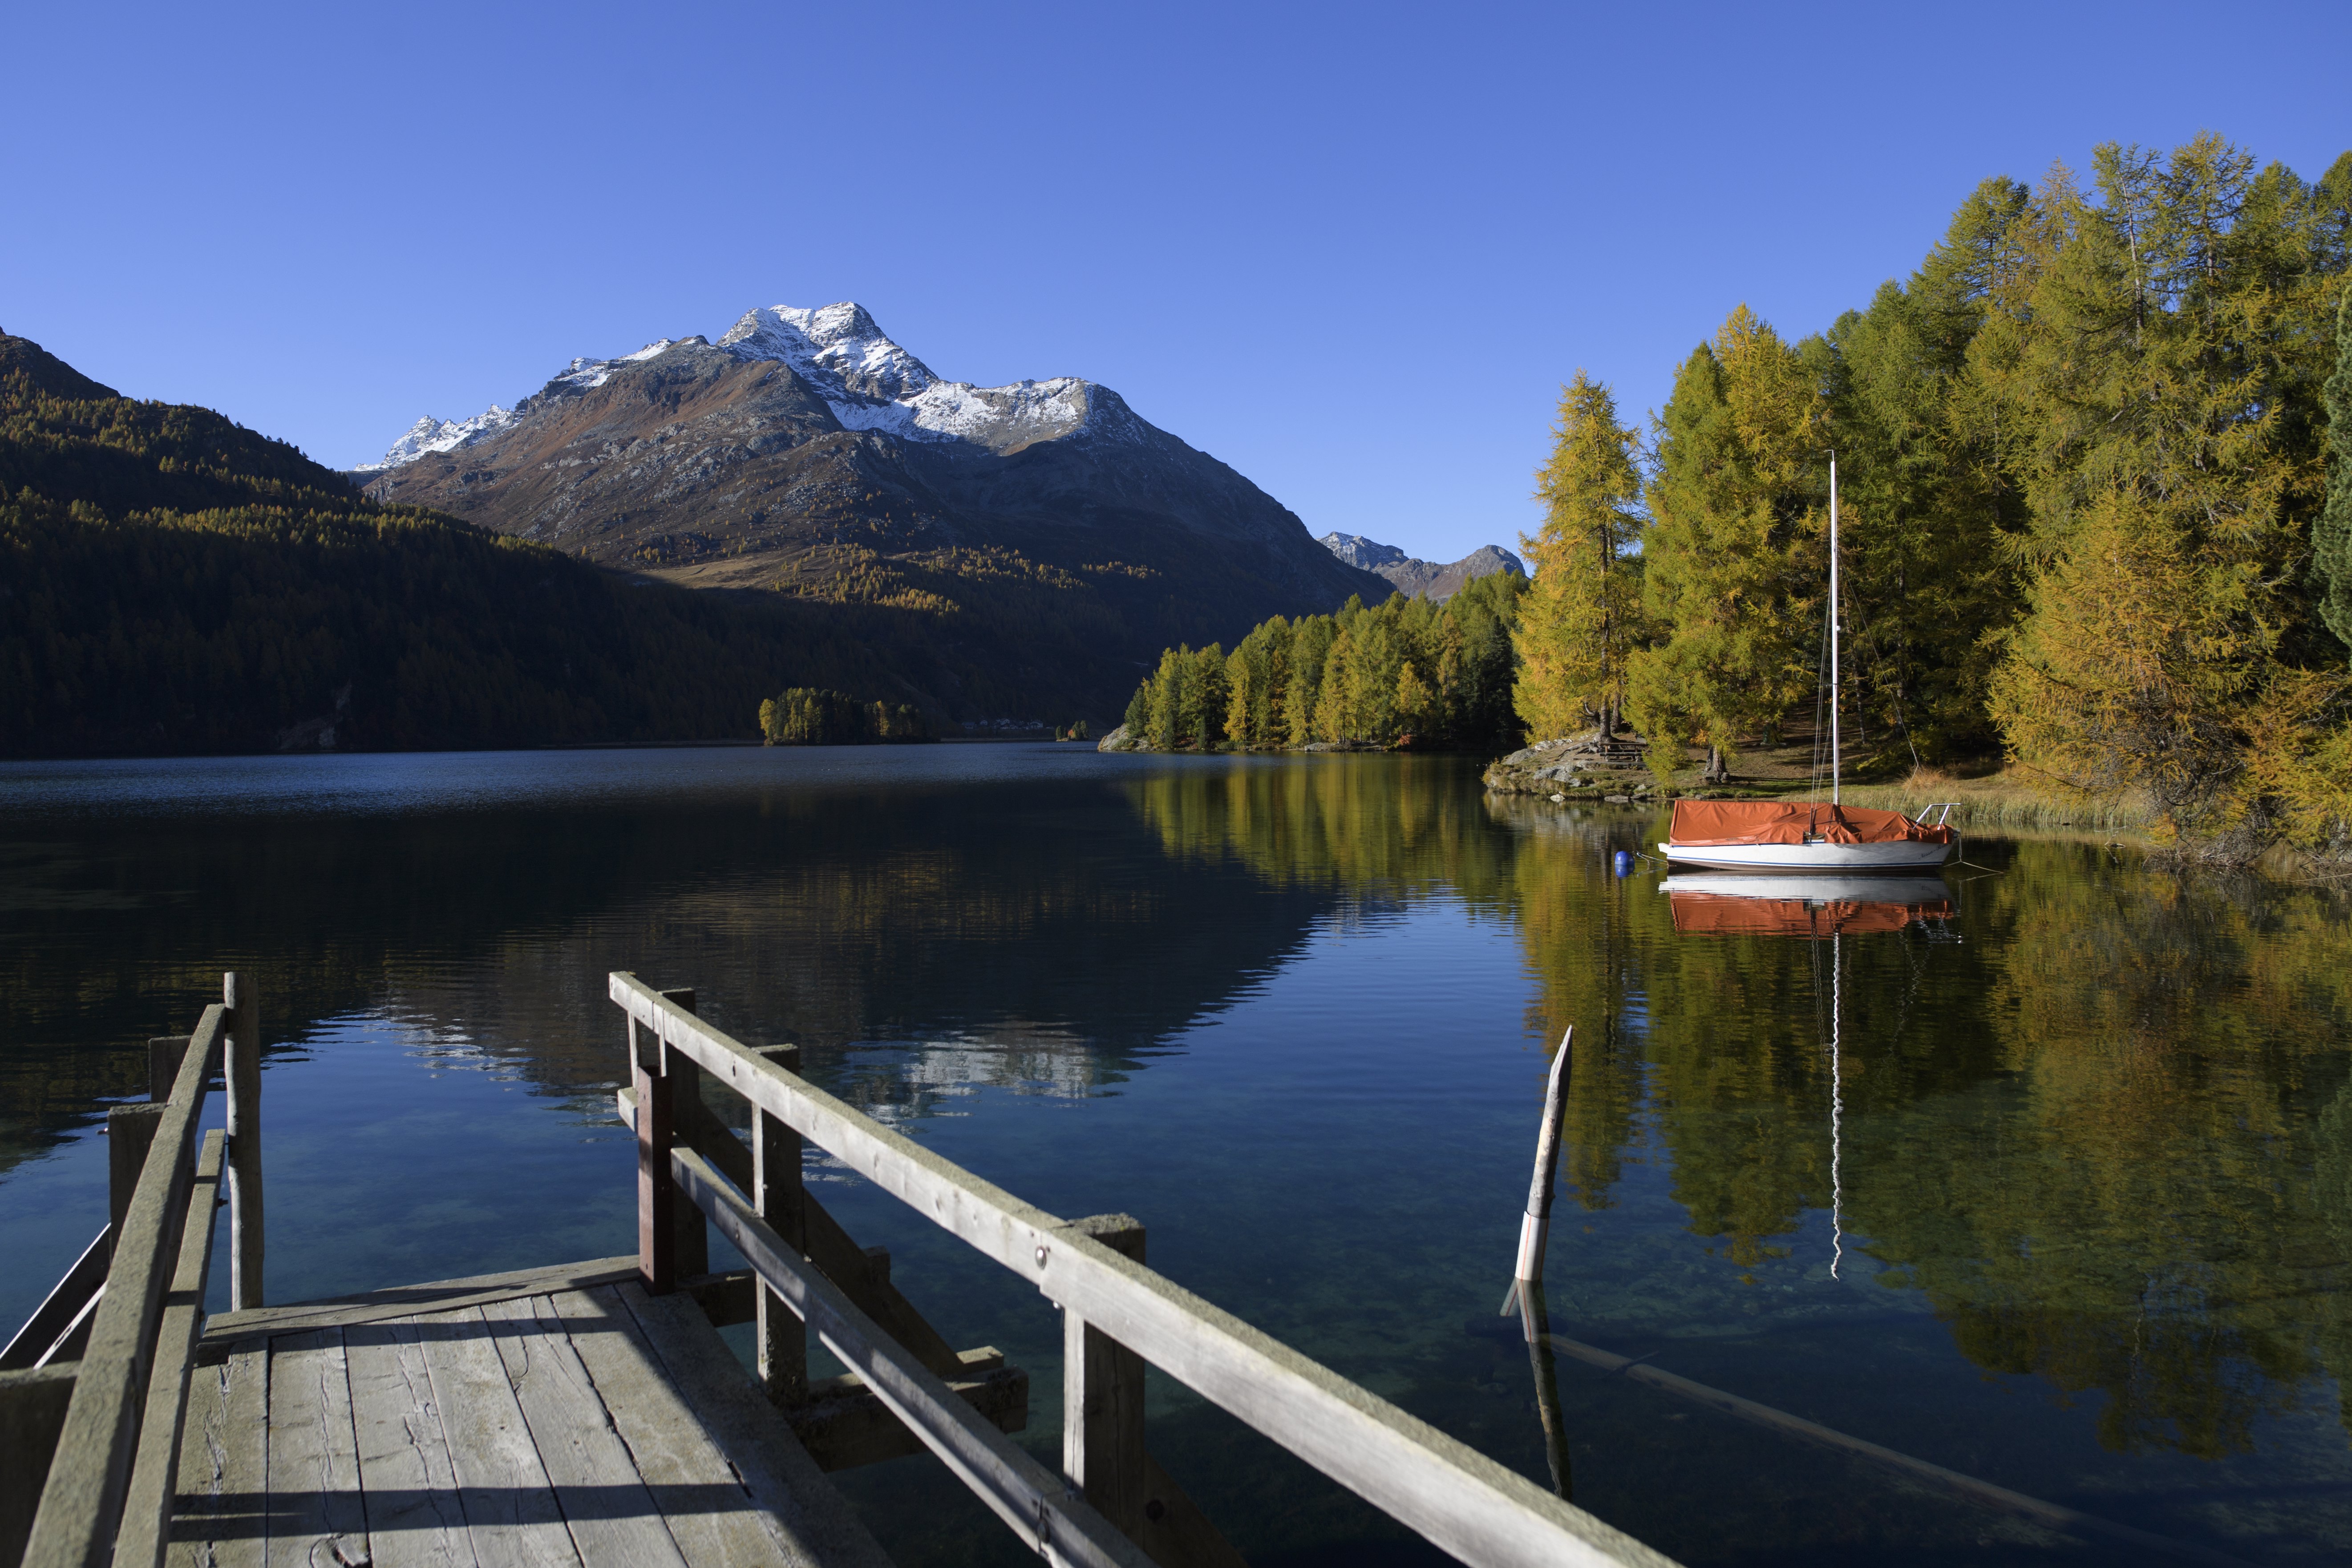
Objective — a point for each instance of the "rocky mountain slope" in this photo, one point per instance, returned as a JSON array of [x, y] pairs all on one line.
[[172, 583], [1413, 577], [806, 453]]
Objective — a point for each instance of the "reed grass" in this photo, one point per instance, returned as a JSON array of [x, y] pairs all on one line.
[[2003, 800]]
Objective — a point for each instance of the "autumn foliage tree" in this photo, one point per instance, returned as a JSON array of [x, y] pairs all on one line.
[[1734, 551], [1438, 675], [2096, 455], [2158, 356], [1581, 618]]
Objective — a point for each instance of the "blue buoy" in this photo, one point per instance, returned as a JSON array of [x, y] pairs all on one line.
[[1624, 862]]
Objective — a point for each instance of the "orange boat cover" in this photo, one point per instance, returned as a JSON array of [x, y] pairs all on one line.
[[1786, 822], [1721, 914]]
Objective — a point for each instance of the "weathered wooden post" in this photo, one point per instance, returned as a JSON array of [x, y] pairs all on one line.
[[129, 1133], [657, 1189], [777, 1197], [1540, 1362], [1526, 1273], [689, 1232], [164, 1054], [1102, 1399], [1535, 1225], [242, 1073]]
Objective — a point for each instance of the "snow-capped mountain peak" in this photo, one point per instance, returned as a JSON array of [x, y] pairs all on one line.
[[431, 435], [837, 349], [867, 380], [1363, 554]]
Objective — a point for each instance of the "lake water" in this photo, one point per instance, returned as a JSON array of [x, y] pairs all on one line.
[[2072, 1214]]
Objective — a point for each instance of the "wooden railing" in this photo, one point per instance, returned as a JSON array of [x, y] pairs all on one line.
[[1110, 1505], [107, 1494]]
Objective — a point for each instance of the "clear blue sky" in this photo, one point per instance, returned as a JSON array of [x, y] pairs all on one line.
[[1352, 250]]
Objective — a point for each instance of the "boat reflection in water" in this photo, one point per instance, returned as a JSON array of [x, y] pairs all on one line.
[[1818, 908], [1737, 904]]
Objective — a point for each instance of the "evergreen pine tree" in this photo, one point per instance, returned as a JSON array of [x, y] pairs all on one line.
[[1734, 571], [2162, 355], [1580, 621], [2331, 537]]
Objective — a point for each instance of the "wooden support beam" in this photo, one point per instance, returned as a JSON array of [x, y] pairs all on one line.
[[726, 1299], [147, 1509], [129, 1133], [844, 1424], [1027, 1497], [242, 1071], [657, 1194], [778, 1198], [689, 1232], [32, 1413], [1102, 1397], [81, 1504], [860, 1274], [1103, 1451], [55, 1331], [164, 1054]]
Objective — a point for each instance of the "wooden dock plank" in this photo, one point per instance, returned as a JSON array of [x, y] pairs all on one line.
[[220, 1518], [406, 1476], [550, 1429], [606, 1501], [406, 1300], [713, 1513], [511, 1517], [804, 1507], [316, 1515]]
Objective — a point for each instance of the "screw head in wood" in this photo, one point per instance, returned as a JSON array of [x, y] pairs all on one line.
[[1041, 1256]]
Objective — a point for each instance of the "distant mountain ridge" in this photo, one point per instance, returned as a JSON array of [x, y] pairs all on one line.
[[807, 453], [172, 583], [1415, 578], [867, 381]]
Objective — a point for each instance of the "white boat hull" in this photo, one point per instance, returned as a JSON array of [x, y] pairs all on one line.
[[1815, 888], [1903, 855]]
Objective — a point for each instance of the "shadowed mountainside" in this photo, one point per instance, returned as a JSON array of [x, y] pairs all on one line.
[[172, 583], [807, 455]]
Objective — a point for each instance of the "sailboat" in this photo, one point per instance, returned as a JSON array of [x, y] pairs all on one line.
[[1784, 836]]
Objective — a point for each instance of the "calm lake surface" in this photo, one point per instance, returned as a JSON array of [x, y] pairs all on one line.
[[2073, 1213]]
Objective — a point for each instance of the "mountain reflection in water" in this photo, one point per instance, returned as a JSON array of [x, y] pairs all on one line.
[[2093, 1160]]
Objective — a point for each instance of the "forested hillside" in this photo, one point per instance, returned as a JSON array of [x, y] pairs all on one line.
[[172, 583], [1408, 671], [2095, 466], [2084, 508]]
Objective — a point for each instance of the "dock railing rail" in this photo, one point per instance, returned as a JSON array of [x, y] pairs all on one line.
[[107, 1494], [1111, 1504]]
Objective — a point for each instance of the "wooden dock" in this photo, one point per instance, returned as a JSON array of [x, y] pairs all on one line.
[[556, 1416], [591, 1415]]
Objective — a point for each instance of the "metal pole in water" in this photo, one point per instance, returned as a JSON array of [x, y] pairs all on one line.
[[1834, 769]]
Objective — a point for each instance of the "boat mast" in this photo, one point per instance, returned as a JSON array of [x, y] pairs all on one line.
[[1833, 635]]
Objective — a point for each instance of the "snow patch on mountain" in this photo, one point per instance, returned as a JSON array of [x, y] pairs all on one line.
[[869, 382], [583, 373], [837, 349]]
